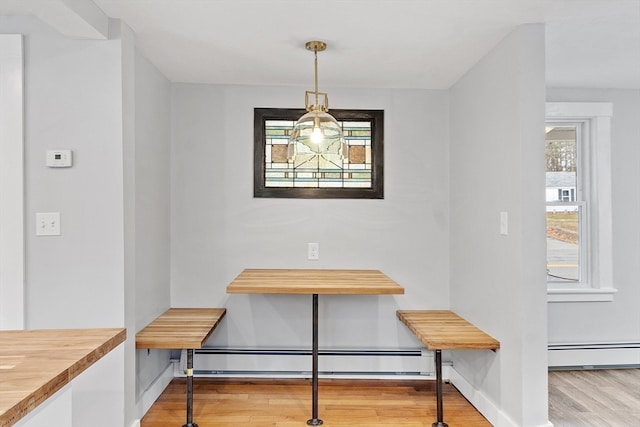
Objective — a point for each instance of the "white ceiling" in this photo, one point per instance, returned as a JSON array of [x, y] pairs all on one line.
[[373, 43]]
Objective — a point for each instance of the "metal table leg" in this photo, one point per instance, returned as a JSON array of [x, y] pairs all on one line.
[[190, 422], [439, 422], [314, 421]]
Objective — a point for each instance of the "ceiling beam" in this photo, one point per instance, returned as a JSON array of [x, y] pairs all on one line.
[[75, 18]]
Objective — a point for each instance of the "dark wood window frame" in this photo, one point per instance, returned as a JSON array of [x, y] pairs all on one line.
[[376, 191]]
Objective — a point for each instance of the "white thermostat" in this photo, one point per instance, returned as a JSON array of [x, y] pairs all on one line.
[[59, 158]]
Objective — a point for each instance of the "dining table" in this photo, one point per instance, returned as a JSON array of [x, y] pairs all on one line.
[[314, 282]]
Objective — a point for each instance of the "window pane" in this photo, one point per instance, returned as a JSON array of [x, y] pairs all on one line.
[[561, 155], [563, 214], [563, 243], [317, 173]]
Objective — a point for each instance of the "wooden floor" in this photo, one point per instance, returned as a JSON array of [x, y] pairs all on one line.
[[602, 398], [599, 398], [287, 403]]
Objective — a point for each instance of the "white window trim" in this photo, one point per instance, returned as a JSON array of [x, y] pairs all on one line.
[[601, 225]]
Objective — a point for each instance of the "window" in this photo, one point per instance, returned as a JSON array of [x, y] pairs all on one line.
[[359, 176], [578, 202], [565, 214]]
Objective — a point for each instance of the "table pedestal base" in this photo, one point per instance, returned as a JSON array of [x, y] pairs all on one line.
[[314, 421]]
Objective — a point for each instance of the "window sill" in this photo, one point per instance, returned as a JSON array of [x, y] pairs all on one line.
[[580, 295]]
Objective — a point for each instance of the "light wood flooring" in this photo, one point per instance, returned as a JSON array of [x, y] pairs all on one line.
[[287, 403], [598, 398], [602, 398]]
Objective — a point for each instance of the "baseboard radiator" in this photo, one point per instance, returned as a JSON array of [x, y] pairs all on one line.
[[594, 355], [296, 363]]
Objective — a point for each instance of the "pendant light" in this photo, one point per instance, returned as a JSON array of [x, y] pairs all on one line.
[[317, 140]]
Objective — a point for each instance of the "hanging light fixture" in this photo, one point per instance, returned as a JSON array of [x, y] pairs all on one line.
[[317, 140]]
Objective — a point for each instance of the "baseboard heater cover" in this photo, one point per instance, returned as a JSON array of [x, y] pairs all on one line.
[[594, 355], [296, 363]]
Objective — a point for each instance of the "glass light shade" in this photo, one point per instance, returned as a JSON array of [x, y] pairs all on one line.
[[316, 142]]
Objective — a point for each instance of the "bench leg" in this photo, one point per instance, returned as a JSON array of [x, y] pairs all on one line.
[[190, 422], [439, 422]]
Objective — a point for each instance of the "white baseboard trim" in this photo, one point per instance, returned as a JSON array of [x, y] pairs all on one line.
[[151, 394], [136, 423], [589, 356], [482, 403]]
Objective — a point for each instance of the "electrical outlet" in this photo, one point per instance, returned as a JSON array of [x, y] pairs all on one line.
[[313, 251], [48, 224]]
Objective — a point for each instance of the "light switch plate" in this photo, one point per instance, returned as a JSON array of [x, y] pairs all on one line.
[[59, 158], [504, 223]]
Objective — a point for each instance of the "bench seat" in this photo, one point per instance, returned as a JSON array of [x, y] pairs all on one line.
[[182, 328], [444, 330]]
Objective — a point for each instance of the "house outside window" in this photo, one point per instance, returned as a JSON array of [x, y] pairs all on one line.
[[578, 202]]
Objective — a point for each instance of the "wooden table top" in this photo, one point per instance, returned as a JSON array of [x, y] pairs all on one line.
[[309, 281], [180, 328], [37, 363], [445, 330]]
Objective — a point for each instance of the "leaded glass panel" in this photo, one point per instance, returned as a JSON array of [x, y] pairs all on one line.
[[316, 173], [358, 175]]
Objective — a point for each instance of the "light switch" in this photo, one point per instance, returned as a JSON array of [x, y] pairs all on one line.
[[48, 224], [504, 223], [59, 158]]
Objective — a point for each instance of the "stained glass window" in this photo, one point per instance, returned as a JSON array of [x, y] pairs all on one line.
[[279, 174]]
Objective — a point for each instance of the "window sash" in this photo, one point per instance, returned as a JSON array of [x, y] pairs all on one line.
[[555, 277]]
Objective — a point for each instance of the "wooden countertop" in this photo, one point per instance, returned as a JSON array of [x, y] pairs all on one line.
[[37, 363], [445, 330], [309, 281], [180, 328]]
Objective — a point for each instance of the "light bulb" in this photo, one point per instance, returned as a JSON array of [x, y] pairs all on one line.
[[316, 135]]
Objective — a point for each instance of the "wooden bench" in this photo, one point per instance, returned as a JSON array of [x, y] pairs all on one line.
[[444, 330], [182, 328]]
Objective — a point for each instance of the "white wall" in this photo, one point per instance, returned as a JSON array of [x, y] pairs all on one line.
[[11, 183], [218, 228], [146, 194], [498, 281], [152, 209], [79, 96], [152, 191], [72, 100], [618, 320], [120, 31]]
